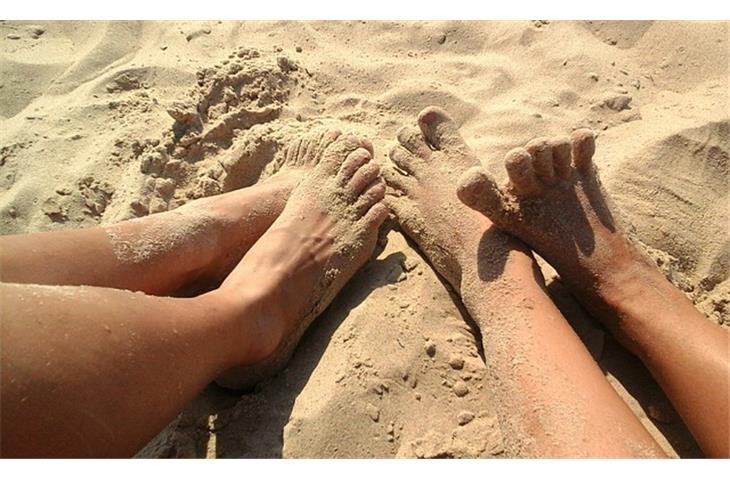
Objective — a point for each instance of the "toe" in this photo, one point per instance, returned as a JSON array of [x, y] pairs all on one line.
[[374, 193], [439, 129], [352, 163], [403, 159], [367, 145], [292, 149], [375, 217], [478, 190], [412, 139], [336, 153], [309, 149], [396, 180], [584, 145], [561, 157], [542, 160], [364, 176], [325, 140], [301, 151], [329, 137], [521, 174]]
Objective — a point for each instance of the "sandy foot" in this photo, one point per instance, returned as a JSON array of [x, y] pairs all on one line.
[[327, 230], [213, 233], [555, 203], [426, 165], [497, 277]]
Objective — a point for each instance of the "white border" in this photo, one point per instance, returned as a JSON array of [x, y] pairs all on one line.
[[365, 469], [366, 10]]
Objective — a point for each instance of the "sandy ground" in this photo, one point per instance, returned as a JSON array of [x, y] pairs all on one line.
[[88, 112]]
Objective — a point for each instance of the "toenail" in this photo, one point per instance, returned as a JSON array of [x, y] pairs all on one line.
[[429, 117], [368, 145]]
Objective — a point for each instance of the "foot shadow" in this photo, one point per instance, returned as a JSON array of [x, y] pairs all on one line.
[[495, 245], [225, 424], [634, 377], [492, 254]]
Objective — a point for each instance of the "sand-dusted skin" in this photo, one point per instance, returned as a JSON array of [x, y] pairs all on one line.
[[426, 163], [555, 203], [183, 251], [325, 233], [552, 398], [167, 349], [78, 102], [241, 227]]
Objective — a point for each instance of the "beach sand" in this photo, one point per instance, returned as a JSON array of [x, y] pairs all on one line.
[[90, 115]]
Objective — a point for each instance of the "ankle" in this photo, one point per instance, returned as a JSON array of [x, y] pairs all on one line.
[[237, 219], [629, 302], [616, 262], [253, 323]]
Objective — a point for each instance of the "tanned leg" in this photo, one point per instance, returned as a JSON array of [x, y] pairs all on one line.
[[97, 372], [199, 242], [91, 371], [555, 203], [552, 399]]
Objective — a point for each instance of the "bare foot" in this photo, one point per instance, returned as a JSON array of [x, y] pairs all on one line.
[[241, 216], [526, 339], [181, 252], [555, 203], [327, 230], [427, 163]]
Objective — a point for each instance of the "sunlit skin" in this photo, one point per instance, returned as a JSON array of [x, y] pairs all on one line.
[[97, 371]]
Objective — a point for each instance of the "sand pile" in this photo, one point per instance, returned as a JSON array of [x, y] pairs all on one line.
[[106, 121]]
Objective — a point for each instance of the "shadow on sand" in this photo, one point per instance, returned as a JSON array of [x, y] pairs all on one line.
[[226, 424]]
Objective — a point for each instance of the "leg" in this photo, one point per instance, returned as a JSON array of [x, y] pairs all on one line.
[[562, 212], [97, 372], [201, 241], [554, 401], [89, 371]]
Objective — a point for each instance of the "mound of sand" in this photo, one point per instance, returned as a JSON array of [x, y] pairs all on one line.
[[108, 121]]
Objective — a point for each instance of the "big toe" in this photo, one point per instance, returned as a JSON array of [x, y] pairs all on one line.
[[478, 190], [584, 146], [337, 151], [439, 129], [397, 181]]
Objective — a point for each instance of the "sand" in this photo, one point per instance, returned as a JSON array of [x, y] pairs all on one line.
[[99, 122]]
